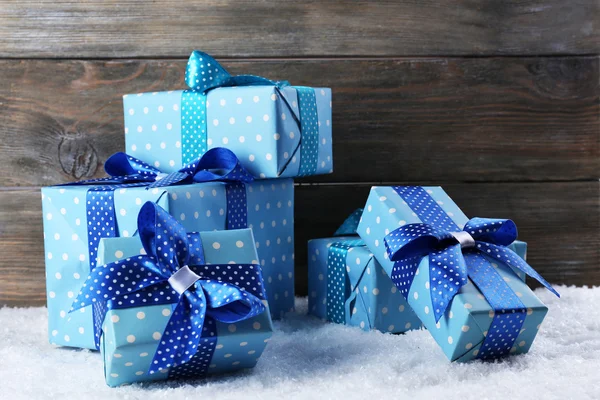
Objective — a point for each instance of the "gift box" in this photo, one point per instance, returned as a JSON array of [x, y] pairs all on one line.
[[460, 276], [205, 206], [276, 130], [348, 286], [177, 306]]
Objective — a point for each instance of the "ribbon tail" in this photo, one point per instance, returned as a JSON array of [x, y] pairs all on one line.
[[179, 341], [447, 274], [510, 258]]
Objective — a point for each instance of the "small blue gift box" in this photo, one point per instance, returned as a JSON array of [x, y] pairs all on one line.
[[174, 305], [72, 221], [276, 130], [347, 285], [460, 276]]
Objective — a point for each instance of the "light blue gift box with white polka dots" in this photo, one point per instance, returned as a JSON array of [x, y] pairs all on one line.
[[198, 207], [131, 335], [462, 329], [253, 121], [372, 301]]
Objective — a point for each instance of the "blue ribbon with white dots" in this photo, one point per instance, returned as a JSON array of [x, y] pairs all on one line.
[[204, 73], [218, 164], [338, 286], [173, 271], [458, 254]]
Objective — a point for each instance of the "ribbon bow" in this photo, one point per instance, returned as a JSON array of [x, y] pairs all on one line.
[[449, 270], [204, 73], [217, 164], [172, 271]]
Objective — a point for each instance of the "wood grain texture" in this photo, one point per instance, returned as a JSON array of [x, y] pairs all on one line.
[[560, 221], [409, 120], [290, 28]]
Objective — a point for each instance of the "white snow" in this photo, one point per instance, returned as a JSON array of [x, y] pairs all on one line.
[[309, 359]]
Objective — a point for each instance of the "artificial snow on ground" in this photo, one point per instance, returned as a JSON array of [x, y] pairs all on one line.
[[310, 359]]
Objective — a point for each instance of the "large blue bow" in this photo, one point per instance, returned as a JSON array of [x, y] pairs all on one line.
[[217, 164], [204, 73], [172, 271], [448, 270]]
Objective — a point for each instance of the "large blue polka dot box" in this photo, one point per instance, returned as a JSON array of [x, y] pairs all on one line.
[[171, 304], [347, 285], [464, 278], [76, 217], [276, 130]]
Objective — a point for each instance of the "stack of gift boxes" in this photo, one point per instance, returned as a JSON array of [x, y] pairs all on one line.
[[175, 264]]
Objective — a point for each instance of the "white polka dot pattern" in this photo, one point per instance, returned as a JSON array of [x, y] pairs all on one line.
[[309, 127], [126, 284], [450, 263], [337, 286]]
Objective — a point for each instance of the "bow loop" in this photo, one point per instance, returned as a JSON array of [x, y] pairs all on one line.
[[121, 164], [497, 231], [221, 164], [228, 303], [204, 73], [413, 240], [163, 238]]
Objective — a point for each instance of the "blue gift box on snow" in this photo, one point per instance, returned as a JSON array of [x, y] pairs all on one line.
[[276, 130], [197, 206], [181, 308], [347, 285], [459, 276]]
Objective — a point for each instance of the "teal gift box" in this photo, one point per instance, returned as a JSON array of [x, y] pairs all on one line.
[[463, 328], [131, 335], [198, 207], [275, 129], [347, 285]]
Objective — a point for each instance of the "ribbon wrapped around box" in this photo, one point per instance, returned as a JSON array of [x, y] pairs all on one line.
[[276, 130], [347, 285], [177, 304], [460, 276], [77, 216]]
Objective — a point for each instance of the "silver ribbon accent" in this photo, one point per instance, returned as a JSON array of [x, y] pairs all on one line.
[[182, 279], [464, 238]]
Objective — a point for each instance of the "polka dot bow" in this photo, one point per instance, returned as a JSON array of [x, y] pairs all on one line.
[[217, 164], [170, 272], [448, 269], [204, 73]]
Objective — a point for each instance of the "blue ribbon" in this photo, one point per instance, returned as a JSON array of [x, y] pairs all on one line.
[[458, 254], [173, 272], [218, 164], [338, 287], [203, 74]]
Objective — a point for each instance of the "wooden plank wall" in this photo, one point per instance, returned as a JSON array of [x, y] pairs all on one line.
[[496, 101]]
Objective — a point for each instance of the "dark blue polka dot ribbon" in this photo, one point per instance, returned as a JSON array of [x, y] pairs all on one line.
[[204, 73], [455, 255], [173, 271], [338, 286], [218, 164]]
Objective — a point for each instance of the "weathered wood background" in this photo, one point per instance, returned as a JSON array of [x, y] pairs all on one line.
[[497, 101]]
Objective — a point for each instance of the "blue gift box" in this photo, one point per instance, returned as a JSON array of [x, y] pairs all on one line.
[[275, 129], [131, 335], [347, 285], [463, 328], [198, 207]]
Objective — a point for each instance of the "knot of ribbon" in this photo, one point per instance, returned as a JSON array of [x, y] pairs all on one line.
[[217, 164], [448, 269], [173, 271], [204, 73]]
